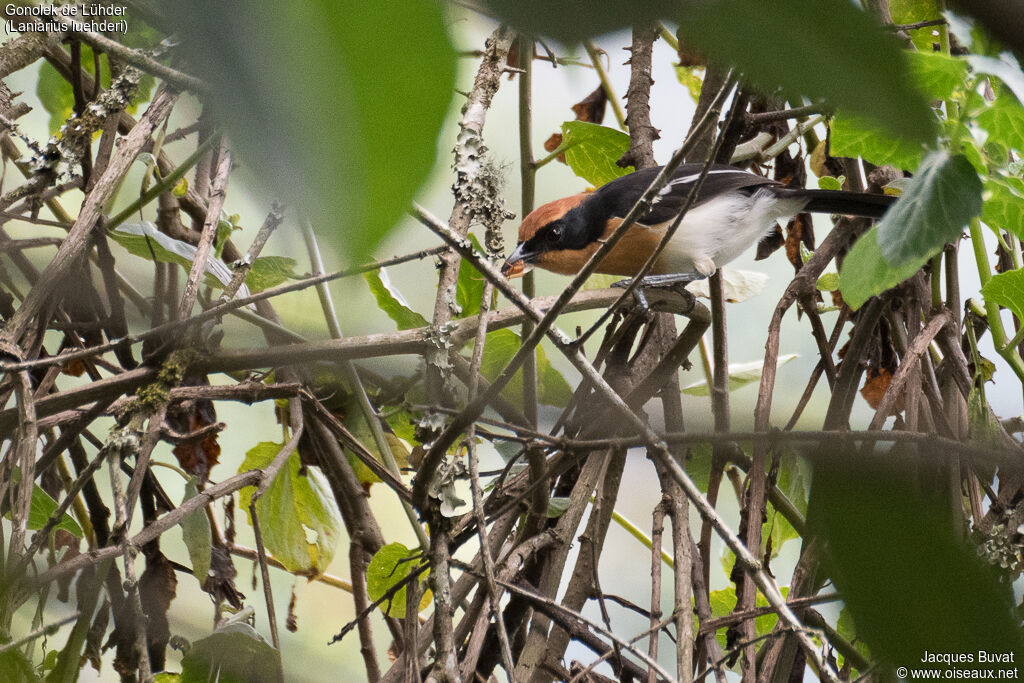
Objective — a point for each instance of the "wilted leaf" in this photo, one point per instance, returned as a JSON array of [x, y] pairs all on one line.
[[737, 285], [195, 531], [298, 515], [592, 107], [391, 301], [943, 196], [389, 567], [341, 127], [196, 455], [740, 375], [157, 588], [592, 150]]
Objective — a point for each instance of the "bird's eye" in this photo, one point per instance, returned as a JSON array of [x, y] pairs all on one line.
[[555, 234]]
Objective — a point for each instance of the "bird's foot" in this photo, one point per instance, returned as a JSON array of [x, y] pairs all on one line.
[[675, 282]]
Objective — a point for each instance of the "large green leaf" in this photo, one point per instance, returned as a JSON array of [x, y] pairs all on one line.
[[853, 136], [1004, 206], [389, 567], [898, 556], [195, 531], [42, 508], [865, 272], [146, 241], [337, 105], [1006, 290], [937, 75], [269, 271], [469, 287], [1004, 121], [592, 150], [501, 345], [937, 203], [299, 519], [823, 49], [572, 21], [235, 653], [391, 301], [723, 602], [913, 11]]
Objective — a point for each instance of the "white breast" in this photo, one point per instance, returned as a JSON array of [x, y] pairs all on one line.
[[719, 230]]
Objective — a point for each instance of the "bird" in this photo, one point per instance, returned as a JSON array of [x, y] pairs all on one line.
[[733, 210]]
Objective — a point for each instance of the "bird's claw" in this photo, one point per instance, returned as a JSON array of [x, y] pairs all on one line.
[[676, 282]]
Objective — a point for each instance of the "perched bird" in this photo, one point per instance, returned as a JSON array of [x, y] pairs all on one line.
[[733, 210]]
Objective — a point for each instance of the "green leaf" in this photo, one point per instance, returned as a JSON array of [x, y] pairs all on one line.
[[195, 531], [740, 375], [1004, 121], [1003, 208], [913, 11], [270, 271], [356, 423], [557, 505], [862, 70], [845, 627], [688, 77], [698, 464], [40, 510], [937, 74], [165, 677], [501, 345], [898, 557], [828, 182], [391, 301], [853, 136], [299, 519], [1006, 290], [828, 282], [865, 273], [943, 196], [723, 602], [145, 240], [390, 566], [571, 22], [339, 109], [592, 150], [234, 653], [55, 93], [469, 287]]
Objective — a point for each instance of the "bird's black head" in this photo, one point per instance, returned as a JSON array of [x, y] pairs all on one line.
[[555, 226]]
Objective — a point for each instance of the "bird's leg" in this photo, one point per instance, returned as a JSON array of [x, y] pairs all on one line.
[[676, 282]]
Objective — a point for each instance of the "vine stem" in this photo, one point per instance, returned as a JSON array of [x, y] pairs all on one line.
[[995, 322]]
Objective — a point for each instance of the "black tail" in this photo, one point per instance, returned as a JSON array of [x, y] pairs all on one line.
[[836, 201]]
